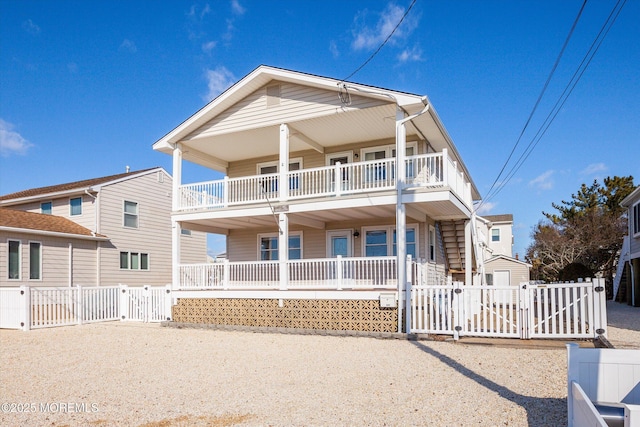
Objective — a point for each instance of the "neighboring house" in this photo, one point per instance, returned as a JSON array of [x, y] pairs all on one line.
[[500, 267], [328, 187], [95, 232], [627, 280]]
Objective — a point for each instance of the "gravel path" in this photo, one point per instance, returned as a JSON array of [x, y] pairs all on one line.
[[145, 375]]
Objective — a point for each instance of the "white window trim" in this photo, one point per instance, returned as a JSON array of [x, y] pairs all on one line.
[[19, 260], [140, 253], [347, 154], [499, 234], [431, 258], [276, 163], [271, 235], [348, 232], [81, 206], [635, 217], [389, 229], [40, 261], [388, 149], [125, 213], [51, 202]]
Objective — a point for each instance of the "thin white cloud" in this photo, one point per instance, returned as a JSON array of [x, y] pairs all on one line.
[[31, 27], [412, 54], [486, 208], [543, 181], [594, 168], [333, 48], [368, 37], [11, 142], [218, 81], [208, 46], [128, 46], [237, 8]]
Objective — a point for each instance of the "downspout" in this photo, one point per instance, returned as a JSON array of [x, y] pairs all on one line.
[[96, 230]]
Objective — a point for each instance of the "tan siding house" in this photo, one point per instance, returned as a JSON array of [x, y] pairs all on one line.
[[125, 226], [628, 271], [334, 196]]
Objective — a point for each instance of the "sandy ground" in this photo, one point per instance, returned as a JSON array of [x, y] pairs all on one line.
[[146, 375]]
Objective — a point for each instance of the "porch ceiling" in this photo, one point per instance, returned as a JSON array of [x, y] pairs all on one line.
[[328, 131], [438, 208]]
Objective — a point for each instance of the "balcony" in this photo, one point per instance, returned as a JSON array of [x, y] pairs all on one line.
[[429, 172]]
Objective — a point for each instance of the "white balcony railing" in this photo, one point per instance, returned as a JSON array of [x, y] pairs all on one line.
[[324, 273], [425, 170]]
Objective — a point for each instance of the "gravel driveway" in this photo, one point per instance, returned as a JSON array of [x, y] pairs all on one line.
[[143, 374]]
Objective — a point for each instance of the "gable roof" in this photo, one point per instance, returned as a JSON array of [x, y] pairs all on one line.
[[29, 222], [499, 218], [331, 125], [70, 187], [507, 258]]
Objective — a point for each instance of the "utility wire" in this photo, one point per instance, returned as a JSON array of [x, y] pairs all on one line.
[[595, 46], [537, 103], [613, 15], [383, 43]]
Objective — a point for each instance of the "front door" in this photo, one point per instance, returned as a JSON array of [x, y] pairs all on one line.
[[339, 243]]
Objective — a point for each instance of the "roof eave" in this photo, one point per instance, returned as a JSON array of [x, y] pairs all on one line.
[[53, 233]]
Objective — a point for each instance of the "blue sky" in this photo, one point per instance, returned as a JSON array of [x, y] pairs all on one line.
[[86, 87]]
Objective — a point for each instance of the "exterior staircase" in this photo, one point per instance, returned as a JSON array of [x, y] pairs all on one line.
[[453, 242], [618, 284]]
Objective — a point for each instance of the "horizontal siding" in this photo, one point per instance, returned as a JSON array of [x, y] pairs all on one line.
[[310, 158], [61, 207], [193, 248], [55, 261], [153, 235], [243, 244], [296, 102], [519, 272]]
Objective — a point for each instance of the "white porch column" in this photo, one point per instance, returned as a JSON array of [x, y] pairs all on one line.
[[175, 254], [401, 215], [468, 273], [283, 249], [283, 186], [177, 176]]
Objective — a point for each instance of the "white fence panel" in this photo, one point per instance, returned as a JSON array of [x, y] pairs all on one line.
[[99, 304], [52, 307], [432, 310], [145, 304], [12, 308], [490, 311]]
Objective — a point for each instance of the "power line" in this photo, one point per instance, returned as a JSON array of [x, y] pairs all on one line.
[[383, 43], [537, 103], [562, 99]]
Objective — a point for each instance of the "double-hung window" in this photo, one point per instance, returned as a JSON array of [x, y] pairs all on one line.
[[270, 182], [45, 208], [635, 226], [75, 206], [495, 234], [381, 241], [130, 214], [14, 259], [269, 246], [35, 261]]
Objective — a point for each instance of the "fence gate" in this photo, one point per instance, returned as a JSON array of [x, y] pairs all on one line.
[[556, 310], [145, 304]]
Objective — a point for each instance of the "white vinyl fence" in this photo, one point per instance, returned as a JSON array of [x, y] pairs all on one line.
[[555, 310], [44, 307]]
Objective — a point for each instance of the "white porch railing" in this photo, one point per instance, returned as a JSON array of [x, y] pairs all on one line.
[[434, 170], [322, 273]]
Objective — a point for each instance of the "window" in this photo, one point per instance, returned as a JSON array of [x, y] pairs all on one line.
[[45, 208], [134, 261], [270, 184], [35, 261], [185, 232], [432, 243], [130, 214], [378, 243], [269, 246], [636, 219], [378, 170], [495, 234], [75, 206], [14, 259]]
